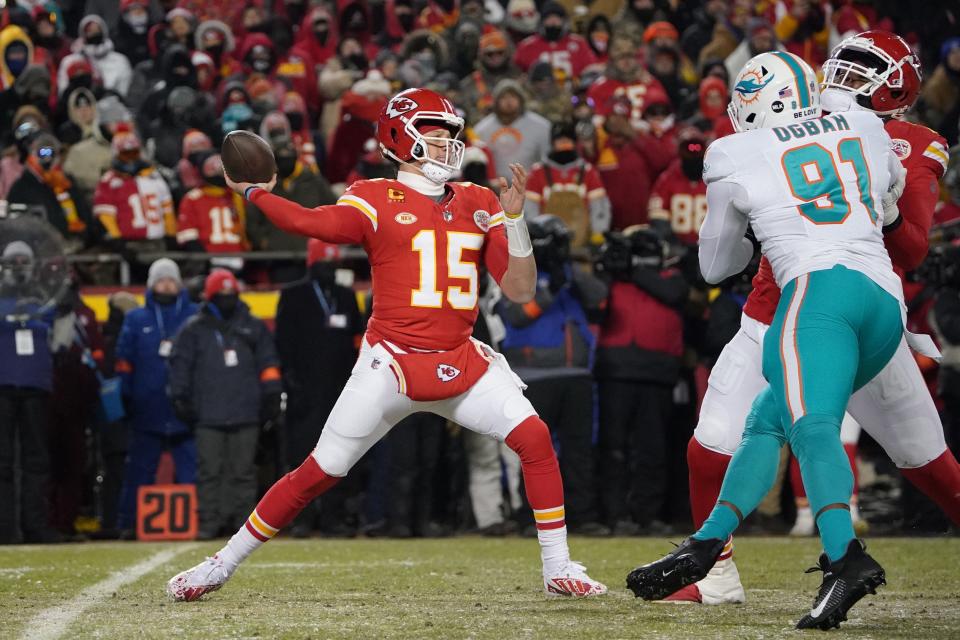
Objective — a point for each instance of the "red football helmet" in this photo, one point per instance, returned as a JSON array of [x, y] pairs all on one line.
[[886, 66], [411, 113]]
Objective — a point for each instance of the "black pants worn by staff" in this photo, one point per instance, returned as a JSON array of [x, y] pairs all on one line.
[[634, 418], [226, 477], [23, 440], [566, 404]]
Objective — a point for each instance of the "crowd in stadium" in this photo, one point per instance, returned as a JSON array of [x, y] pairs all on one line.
[[112, 118]]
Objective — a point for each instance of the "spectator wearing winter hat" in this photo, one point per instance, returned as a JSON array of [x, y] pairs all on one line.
[[360, 107], [130, 35], [133, 202], [208, 219], [521, 19], [549, 97], [712, 100], [143, 348], [12, 164], [337, 76], [493, 65], [89, 158], [940, 95], [667, 61], [569, 187], [597, 35], [16, 54], [553, 38], [295, 69], [401, 20], [657, 134], [225, 383], [176, 70], [32, 88], [373, 164], [700, 31], [318, 328], [318, 35], [511, 132], [111, 65], [215, 39], [760, 38], [48, 31], [308, 142], [622, 165], [44, 185], [188, 176]]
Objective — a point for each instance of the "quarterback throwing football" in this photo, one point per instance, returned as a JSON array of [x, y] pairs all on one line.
[[425, 238]]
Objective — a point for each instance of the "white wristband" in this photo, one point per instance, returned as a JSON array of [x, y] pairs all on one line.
[[518, 237]]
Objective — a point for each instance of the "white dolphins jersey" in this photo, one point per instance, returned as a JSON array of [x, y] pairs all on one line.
[[813, 193]]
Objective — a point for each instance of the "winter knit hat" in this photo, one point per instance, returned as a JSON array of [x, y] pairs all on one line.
[[220, 281], [163, 268]]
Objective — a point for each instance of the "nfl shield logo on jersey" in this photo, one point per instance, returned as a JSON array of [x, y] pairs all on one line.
[[901, 148], [447, 372], [482, 218]]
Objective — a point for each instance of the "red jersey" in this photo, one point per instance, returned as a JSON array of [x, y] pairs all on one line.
[[568, 56], [681, 201], [207, 215], [605, 89], [424, 255], [581, 178], [923, 153], [140, 204]]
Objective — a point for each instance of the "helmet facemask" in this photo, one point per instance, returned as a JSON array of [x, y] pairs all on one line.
[[861, 73], [447, 163]]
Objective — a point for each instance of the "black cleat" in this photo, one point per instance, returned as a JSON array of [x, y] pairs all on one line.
[[688, 563], [845, 582]]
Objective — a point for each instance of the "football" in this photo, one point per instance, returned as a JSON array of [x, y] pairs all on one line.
[[247, 157]]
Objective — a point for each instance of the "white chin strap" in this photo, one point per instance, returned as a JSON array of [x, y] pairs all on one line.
[[436, 173], [839, 101]]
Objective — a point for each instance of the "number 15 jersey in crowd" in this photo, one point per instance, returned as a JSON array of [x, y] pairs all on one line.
[[425, 256], [813, 193]]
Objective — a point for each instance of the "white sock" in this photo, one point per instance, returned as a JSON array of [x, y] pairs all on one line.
[[238, 548], [553, 549], [804, 513], [854, 511]]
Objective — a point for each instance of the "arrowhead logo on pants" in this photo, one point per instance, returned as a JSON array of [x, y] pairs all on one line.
[[447, 372]]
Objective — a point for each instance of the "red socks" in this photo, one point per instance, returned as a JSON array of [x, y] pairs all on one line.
[[940, 481], [541, 471], [707, 469], [287, 498]]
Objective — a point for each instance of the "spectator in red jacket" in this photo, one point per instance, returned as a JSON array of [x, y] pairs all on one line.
[[208, 220], [568, 53]]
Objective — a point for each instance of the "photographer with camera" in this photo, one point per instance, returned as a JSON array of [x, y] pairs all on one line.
[[638, 365], [549, 345]]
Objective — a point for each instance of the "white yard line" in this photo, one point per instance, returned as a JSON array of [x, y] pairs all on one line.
[[51, 623]]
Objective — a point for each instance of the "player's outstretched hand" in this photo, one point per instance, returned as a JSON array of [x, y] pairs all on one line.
[[241, 187], [512, 194]]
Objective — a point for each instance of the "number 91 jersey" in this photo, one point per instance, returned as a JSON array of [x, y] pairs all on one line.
[[425, 258], [813, 193]]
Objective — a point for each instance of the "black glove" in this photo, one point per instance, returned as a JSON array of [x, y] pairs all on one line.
[[184, 412], [270, 407]]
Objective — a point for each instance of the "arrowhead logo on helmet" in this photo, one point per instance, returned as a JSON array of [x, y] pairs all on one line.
[[400, 105]]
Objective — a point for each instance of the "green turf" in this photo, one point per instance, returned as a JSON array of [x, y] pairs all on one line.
[[466, 588]]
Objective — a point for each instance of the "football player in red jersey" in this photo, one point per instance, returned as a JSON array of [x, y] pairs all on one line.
[[425, 238], [679, 197], [207, 219], [876, 71]]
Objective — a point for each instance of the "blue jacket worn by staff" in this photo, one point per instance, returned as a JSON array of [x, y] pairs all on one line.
[[224, 371], [550, 335], [143, 347], [25, 358]]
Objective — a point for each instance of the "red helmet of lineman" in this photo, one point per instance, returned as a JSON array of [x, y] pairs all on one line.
[[878, 69], [404, 132]]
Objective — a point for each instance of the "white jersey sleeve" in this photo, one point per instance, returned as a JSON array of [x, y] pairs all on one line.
[[723, 249]]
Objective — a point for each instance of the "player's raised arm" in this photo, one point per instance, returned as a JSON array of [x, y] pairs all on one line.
[[519, 282], [333, 223]]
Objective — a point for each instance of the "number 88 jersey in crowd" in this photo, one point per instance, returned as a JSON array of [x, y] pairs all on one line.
[[813, 192], [425, 257]]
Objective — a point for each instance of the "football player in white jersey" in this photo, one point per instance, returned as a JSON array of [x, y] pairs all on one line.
[[811, 187]]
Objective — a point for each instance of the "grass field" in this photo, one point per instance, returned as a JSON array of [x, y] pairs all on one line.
[[454, 588]]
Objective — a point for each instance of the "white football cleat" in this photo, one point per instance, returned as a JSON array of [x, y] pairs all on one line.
[[803, 526], [206, 577], [572, 580], [721, 586]]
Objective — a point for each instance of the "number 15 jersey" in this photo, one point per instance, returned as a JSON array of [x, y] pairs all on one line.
[[813, 192], [425, 257]]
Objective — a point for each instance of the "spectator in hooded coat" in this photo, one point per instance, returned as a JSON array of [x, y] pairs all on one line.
[[95, 43]]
